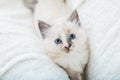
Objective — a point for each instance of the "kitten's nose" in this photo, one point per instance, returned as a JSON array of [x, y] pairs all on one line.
[[68, 46]]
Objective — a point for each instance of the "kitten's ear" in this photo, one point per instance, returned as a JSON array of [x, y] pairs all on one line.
[[74, 18], [43, 28]]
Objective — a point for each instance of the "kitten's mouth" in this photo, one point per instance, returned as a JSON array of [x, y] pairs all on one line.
[[67, 50]]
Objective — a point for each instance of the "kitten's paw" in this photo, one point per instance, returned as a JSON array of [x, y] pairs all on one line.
[[75, 76]]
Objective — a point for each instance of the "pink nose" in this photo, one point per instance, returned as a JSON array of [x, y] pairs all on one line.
[[67, 47]]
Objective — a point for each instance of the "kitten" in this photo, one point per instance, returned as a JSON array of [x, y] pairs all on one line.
[[65, 42]]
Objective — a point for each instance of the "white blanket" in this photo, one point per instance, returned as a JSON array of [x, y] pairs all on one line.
[[21, 55], [101, 19]]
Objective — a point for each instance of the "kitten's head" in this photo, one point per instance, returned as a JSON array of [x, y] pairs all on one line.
[[64, 37]]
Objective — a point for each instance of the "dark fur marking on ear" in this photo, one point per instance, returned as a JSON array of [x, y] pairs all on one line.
[[75, 18]]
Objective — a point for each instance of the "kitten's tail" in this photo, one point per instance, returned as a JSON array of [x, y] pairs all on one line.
[[30, 4], [68, 3], [74, 5]]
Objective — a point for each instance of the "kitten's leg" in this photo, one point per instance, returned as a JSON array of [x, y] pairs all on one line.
[[73, 75]]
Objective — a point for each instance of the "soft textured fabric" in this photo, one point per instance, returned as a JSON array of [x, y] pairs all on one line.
[[21, 55], [101, 19]]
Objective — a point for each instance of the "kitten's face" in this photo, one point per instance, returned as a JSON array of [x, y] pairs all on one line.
[[63, 38]]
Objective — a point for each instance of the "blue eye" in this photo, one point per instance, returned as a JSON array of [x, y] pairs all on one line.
[[72, 36], [58, 41]]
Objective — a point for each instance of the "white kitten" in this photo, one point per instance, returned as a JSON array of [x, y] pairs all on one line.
[[65, 42]]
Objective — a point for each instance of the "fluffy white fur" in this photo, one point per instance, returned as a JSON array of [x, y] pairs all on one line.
[[56, 13]]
